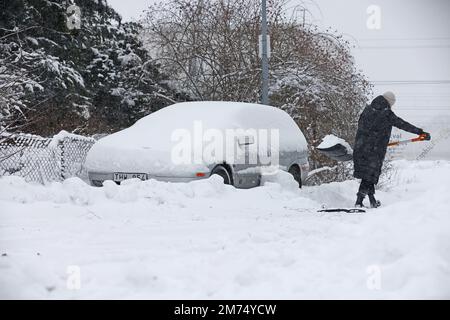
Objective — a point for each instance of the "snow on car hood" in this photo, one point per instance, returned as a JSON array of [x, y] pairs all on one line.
[[147, 145]]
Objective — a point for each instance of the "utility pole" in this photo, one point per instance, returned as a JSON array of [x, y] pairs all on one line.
[[264, 56], [304, 16]]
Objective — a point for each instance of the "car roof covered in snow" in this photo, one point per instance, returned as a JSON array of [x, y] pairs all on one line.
[[215, 114], [156, 129]]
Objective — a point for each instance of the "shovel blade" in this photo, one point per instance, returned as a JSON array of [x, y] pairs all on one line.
[[337, 152]]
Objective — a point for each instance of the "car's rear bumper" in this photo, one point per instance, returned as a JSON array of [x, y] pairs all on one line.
[[97, 178]]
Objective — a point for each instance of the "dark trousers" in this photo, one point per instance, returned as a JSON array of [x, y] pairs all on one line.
[[366, 188]]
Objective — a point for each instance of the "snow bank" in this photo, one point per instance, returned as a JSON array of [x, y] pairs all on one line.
[[151, 239], [75, 191]]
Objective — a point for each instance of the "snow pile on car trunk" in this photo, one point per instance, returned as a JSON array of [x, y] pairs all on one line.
[[150, 239]]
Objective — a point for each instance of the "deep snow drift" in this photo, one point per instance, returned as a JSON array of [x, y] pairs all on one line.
[[206, 240]]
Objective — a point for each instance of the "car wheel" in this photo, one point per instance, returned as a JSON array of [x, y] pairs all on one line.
[[223, 172], [296, 173]]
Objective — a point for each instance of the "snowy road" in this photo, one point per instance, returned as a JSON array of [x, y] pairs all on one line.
[[206, 240]]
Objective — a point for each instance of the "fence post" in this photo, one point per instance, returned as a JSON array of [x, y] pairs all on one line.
[[62, 159]]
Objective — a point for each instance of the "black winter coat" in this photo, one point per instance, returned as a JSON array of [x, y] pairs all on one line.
[[374, 130]]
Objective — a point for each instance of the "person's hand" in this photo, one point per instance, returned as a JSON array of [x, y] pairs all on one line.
[[426, 135]]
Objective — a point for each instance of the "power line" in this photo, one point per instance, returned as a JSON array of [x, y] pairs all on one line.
[[414, 43], [404, 39], [405, 47], [412, 82], [429, 94], [424, 108]]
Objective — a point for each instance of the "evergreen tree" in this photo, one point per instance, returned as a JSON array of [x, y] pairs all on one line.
[[96, 78]]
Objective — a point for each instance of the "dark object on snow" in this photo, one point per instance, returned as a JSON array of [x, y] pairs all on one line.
[[351, 210], [372, 138], [337, 152]]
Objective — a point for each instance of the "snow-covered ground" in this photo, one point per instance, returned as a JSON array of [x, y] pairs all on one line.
[[206, 240]]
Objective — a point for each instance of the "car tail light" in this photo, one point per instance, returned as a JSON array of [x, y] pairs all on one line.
[[200, 174]]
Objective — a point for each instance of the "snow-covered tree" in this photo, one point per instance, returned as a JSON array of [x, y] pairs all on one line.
[[315, 80], [96, 78]]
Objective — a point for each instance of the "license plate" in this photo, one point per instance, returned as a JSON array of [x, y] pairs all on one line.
[[120, 176]]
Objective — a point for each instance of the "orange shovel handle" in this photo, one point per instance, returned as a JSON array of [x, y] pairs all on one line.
[[396, 143]]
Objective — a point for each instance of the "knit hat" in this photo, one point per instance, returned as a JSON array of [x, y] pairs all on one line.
[[390, 97]]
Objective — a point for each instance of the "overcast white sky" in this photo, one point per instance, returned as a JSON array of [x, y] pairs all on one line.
[[412, 46]]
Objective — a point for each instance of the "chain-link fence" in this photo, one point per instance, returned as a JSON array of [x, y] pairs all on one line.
[[44, 159]]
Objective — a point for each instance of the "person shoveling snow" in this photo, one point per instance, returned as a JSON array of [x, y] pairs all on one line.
[[372, 139]]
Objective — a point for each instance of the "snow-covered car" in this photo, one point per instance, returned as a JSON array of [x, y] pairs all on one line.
[[194, 140]]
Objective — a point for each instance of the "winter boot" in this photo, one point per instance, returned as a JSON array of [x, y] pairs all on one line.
[[359, 200], [374, 203]]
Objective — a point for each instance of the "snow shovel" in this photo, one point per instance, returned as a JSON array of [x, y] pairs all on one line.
[[421, 137], [339, 150], [335, 148]]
